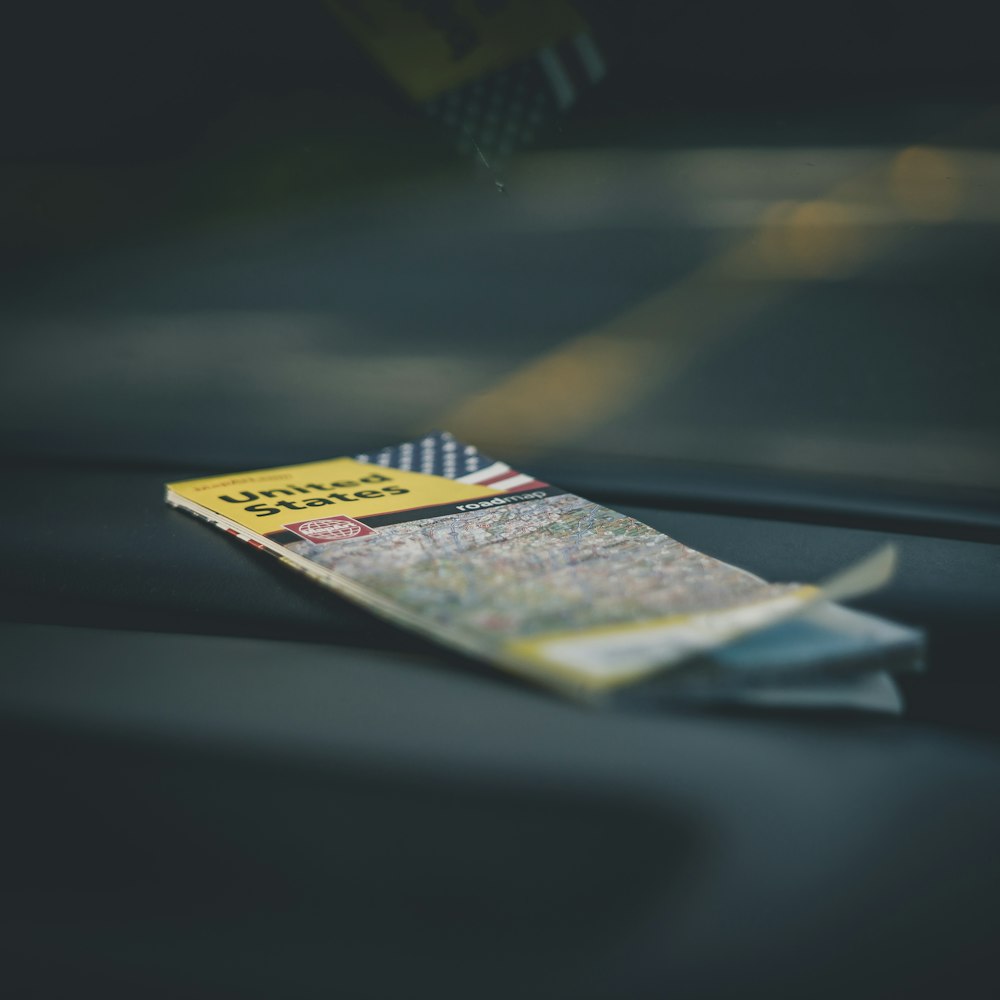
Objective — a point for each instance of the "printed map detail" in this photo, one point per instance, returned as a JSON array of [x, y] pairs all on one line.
[[558, 563]]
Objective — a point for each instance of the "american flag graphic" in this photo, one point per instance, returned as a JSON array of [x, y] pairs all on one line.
[[441, 454]]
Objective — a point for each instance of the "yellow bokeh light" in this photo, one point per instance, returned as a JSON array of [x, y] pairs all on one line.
[[925, 183]]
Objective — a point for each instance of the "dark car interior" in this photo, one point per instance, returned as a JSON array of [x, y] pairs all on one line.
[[743, 288]]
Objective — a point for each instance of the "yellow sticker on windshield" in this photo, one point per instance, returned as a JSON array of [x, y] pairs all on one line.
[[430, 46]]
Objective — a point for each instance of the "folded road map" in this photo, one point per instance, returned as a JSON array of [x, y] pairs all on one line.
[[439, 537]]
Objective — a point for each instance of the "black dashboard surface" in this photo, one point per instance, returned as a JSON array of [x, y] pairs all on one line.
[[222, 781]]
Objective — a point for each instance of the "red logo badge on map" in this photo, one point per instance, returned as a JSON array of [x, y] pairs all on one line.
[[330, 529]]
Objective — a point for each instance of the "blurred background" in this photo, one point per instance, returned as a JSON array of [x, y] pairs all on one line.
[[689, 258], [754, 238]]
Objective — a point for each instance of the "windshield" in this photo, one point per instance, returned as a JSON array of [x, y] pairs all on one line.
[[760, 248]]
